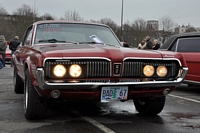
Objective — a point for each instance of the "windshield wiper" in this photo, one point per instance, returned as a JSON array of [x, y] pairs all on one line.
[[110, 44], [51, 41], [55, 40], [90, 43]]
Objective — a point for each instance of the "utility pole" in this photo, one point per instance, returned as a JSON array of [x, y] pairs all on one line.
[[34, 12], [121, 34]]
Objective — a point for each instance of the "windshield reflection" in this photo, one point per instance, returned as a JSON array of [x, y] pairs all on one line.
[[78, 33]]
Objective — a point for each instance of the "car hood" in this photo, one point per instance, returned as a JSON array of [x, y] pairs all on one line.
[[91, 50]]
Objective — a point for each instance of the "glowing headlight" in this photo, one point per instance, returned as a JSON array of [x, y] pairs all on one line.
[[75, 70], [59, 70], [148, 70], [161, 71]]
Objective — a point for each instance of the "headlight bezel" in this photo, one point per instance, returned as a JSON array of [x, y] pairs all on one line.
[[75, 73], [148, 70], [59, 71], [49, 74], [164, 68], [154, 71]]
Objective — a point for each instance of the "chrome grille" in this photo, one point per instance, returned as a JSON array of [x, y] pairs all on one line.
[[133, 68], [98, 69], [94, 68]]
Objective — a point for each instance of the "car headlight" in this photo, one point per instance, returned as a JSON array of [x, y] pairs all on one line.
[[148, 70], [59, 70], [75, 70], [161, 71]]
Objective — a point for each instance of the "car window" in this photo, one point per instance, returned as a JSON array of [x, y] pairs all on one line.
[[187, 45], [28, 37], [79, 33]]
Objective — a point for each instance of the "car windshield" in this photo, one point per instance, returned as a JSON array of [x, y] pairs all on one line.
[[75, 34]]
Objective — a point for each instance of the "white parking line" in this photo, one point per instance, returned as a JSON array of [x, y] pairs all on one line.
[[188, 99], [93, 122]]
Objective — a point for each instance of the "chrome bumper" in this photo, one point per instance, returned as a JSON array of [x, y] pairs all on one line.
[[44, 85]]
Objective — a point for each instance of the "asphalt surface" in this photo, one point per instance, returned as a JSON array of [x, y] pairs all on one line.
[[181, 114]]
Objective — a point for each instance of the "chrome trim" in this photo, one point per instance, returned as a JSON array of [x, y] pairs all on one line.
[[133, 67], [46, 85], [63, 58], [140, 58], [114, 68], [96, 67], [191, 82]]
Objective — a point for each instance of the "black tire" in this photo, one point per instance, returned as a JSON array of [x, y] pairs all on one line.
[[34, 106], [18, 83], [150, 106]]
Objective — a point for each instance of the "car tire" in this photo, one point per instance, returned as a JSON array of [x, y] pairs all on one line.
[[18, 83], [150, 106], [35, 107]]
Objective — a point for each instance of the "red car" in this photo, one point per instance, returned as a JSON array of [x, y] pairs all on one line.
[[188, 44], [61, 60], [8, 54]]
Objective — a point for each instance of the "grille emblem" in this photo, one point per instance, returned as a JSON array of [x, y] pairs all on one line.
[[117, 69]]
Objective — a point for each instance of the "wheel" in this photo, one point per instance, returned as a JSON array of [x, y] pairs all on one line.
[[18, 83], [34, 106], [150, 106]]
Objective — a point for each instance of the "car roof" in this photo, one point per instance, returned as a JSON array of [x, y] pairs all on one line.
[[171, 39], [68, 21]]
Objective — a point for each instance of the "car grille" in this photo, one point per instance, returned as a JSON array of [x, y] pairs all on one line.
[[99, 69], [91, 68], [133, 68], [102, 68]]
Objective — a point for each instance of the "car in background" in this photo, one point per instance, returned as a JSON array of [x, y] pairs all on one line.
[[188, 44], [8, 54], [66, 60]]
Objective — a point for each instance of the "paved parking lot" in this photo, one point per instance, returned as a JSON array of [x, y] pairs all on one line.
[[180, 115]]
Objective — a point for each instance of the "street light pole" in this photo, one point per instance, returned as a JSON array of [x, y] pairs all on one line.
[[34, 12], [122, 19]]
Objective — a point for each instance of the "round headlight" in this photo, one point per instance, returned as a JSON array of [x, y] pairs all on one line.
[[161, 71], [59, 70], [148, 70], [75, 70]]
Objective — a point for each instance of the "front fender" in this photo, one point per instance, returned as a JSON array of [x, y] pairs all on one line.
[[31, 66]]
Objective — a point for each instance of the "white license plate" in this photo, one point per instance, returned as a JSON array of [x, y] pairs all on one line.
[[114, 93]]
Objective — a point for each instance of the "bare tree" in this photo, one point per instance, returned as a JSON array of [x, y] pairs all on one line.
[[25, 10], [140, 24], [47, 16], [110, 23], [24, 17], [166, 23], [73, 15], [3, 10]]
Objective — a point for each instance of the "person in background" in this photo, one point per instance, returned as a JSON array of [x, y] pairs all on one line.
[[156, 45], [13, 46], [125, 44], [3, 46], [149, 43], [142, 45]]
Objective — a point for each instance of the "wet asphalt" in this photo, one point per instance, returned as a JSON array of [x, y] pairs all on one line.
[[181, 114]]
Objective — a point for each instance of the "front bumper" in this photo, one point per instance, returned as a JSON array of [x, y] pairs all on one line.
[[46, 85]]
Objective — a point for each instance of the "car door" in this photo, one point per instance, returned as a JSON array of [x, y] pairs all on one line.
[[21, 53], [190, 48]]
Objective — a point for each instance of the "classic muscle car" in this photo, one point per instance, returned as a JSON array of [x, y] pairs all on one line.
[[188, 44], [62, 60]]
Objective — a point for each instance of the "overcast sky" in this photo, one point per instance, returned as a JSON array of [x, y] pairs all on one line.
[[180, 11]]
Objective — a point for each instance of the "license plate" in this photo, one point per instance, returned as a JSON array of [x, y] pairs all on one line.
[[114, 93]]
